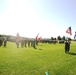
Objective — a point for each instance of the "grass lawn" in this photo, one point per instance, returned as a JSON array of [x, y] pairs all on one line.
[[49, 58]]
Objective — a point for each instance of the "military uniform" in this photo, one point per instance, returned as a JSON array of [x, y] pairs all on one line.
[[67, 46], [5, 41], [1, 41]]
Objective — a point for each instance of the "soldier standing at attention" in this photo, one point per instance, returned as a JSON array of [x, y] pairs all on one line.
[[25, 43], [67, 46], [34, 44], [5, 41], [22, 42], [17, 40], [1, 40]]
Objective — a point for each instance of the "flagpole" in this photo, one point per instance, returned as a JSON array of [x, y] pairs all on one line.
[[67, 35]]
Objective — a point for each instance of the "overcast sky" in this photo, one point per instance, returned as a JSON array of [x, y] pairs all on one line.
[[30, 17]]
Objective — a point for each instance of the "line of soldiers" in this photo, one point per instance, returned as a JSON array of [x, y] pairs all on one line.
[[24, 42], [3, 41], [27, 43]]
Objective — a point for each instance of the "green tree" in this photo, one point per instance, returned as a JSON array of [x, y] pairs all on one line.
[[63, 38], [59, 38]]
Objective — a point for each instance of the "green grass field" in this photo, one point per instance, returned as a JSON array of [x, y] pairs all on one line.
[[49, 58]]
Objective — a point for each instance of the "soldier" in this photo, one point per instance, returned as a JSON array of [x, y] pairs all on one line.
[[5, 41], [28, 43], [22, 42], [1, 41], [25, 42], [17, 40], [67, 46], [31, 43], [34, 44]]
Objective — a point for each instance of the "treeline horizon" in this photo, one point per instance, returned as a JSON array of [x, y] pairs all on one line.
[[51, 38]]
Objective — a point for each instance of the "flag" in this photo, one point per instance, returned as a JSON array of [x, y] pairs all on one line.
[[37, 36], [69, 31], [39, 39], [75, 35]]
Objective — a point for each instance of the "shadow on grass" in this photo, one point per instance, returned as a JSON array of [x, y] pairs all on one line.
[[35, 48], [40, 49], [71, 53]]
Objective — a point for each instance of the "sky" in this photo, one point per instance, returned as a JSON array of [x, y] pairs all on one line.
[[49, 18]]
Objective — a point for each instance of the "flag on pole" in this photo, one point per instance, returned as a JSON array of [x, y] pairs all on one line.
[[39, 39], [75, 36], [69, 31], [37, 36]]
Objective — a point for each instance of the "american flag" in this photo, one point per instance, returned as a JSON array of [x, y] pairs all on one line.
[[69, 31]]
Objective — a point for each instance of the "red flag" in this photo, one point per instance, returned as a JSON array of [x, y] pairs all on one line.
[[37, 36], [69, 31], [39, 39]]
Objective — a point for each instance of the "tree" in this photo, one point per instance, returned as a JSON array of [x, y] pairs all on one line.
[[63, 38], [59, 38]]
